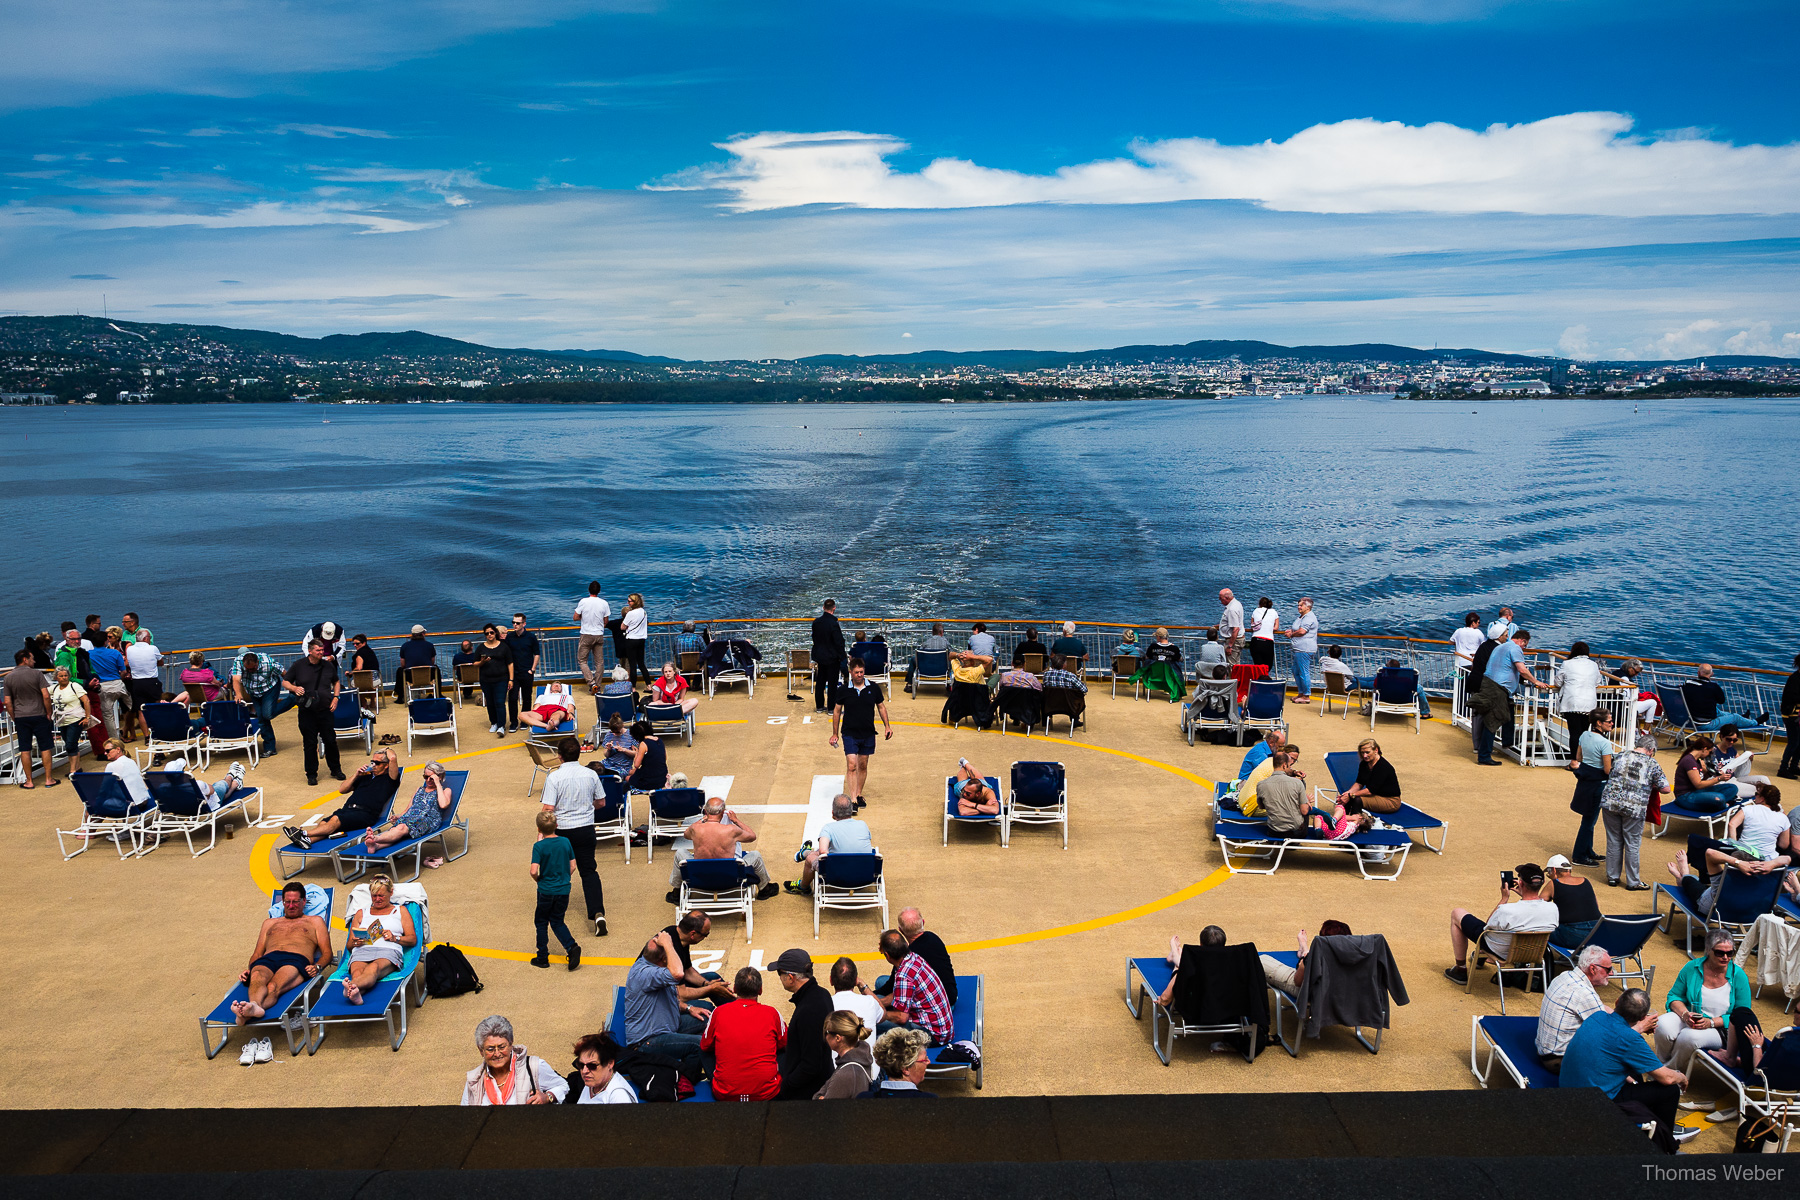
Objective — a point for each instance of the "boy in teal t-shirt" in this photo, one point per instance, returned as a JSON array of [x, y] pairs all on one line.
[[551, 855]]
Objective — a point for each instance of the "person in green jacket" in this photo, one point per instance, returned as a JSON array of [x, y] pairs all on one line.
[[1700, 1003]]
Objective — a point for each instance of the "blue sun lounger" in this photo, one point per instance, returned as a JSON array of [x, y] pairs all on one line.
[[1343, 765], [354, 852], [223, 1021], [1154, 975], [1511, 1042], [1623, 936], [324, 848], [1254, 839], [967, 1017], [997, 820], [1741, 899], [1716, 822], [386, 1001]]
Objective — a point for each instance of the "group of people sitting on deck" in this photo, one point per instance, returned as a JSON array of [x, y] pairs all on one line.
[[1272, 788], [845, 1040]]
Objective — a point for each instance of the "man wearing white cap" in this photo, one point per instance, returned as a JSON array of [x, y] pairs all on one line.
[[329, 632]]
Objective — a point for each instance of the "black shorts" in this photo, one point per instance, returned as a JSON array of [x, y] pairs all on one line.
[[350, 818], [1473, 927], [145, 691], [36, 729], [277, 959]]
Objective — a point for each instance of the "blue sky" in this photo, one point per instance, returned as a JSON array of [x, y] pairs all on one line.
[[709, 179]]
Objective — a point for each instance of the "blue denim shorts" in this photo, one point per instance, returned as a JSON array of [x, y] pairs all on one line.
[[862, 746]]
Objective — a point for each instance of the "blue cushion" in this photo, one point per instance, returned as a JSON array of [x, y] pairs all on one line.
[[1516, 1038]]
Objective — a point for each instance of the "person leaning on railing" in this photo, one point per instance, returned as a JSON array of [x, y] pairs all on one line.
[[1790, 713]]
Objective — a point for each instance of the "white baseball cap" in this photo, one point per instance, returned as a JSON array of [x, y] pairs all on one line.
[[1558, 863]]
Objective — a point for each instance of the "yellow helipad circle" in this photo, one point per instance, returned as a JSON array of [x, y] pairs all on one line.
[[264, 876]]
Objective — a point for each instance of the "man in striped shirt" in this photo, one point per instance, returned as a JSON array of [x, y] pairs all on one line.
[[918, 1001], [1058, 676]]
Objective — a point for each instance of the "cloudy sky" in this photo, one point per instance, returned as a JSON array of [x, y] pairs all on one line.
[[752, 179]]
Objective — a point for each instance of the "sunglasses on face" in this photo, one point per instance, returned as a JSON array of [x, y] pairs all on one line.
[[587, 1066]]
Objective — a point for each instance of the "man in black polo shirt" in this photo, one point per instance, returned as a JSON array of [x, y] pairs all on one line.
[[523, 693], [857, 703], [828, 655], [314, 683]]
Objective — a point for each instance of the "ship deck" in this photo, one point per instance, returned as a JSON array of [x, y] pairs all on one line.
[[119, 958]]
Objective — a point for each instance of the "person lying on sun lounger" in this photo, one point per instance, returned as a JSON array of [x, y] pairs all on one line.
[[289, 948], [380, 935], [558, 706]]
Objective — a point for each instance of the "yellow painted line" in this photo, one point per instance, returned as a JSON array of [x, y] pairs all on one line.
[[264, 876]]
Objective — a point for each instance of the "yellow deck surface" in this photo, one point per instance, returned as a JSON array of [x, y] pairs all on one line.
[[116, 960]]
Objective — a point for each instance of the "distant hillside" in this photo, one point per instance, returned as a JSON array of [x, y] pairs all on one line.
[[1247, 351], [611, 356]]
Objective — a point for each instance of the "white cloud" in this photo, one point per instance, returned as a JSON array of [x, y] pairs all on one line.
[[1576, 163], [1575, 343], [262, 215], [332, 131]]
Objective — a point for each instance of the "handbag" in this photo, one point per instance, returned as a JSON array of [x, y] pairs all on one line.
[[1757, 1135]]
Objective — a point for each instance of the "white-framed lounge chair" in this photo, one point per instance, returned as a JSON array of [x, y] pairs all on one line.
[[351, 722], [849, 882], [432, 717], [1242, 840], [1716, 822], [1212, 706], [931, 667], [718, 887], [386, 1001], [1301, 1005], [1741, 899], [671, 809], [1396, 694], [1623, 936], [612, 819], [997, 820], [968, 1017], [1343, 767], [1754, 1094], [182, 808], [353, 852], [289, 1009], [1512, 1044], [170, 730], [1154, 976], [109, 812], [325, 849], [549, 737], [233, 727], [667, 720], [1038, 795], [728, 662]]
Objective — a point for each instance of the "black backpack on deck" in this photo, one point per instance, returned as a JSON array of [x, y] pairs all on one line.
[[448, 973]]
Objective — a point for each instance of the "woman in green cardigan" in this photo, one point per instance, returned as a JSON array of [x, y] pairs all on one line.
[[1700, 1003]]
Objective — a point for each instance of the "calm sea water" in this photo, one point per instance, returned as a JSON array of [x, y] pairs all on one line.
[[1661, 527]]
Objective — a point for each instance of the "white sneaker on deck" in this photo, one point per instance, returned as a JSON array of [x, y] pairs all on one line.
[[236, 772], [249, 1054], [265, 1051]]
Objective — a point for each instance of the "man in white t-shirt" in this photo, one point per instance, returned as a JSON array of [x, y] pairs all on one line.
[[593, 613], [1521, 910], [852, 995], [1467, 640], [1231, 625]]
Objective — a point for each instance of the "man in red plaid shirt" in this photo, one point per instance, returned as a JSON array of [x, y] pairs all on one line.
[[918, 1000]]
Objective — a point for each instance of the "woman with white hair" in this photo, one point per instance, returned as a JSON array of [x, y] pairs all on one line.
[[424, 817], [508, 1074], [900, 1053], [1636, 779]]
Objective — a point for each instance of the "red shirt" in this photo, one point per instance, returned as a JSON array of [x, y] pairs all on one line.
[[668, 691], [744, 1037]]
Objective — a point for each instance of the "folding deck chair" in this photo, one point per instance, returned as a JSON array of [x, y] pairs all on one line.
[[613, 818], [1124, 666], [1065, 702], [1154, 975], [231, 727], [367, 685], [607, 707], [667, 720], [1526, 956], [325, 849], [967, 1018], [351, 722], [543, 761], [1624, 937], [468, 681], [170, 730], [1512, 1043], [354, 852], [799, 665], [718, 887], [1263, 707], [182, 808], [997, 820], [1745, 727], [386, 1001], [108, 812], [933, 667], [430, 718], [1740, 899], [223, 1021], [1213, 706], [1674, 721], [1343, 766], [691, 666], [849, 882], [1031, 664], [1396, 694], [549, 737], [421, 682], [1039, 795], [670, 811], [1342, 688], [1241, 838]]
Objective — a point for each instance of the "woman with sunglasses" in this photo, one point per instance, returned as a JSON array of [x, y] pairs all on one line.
[[496, 659], [1700, 1003], [594, 1080]]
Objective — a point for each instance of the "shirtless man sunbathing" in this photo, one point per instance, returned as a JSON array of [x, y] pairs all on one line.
[[974, 798], [289, 949]]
